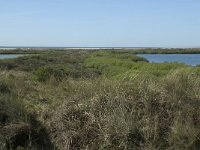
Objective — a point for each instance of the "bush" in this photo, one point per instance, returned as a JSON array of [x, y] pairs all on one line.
[[43, 74], [140, 112], [4, 87]]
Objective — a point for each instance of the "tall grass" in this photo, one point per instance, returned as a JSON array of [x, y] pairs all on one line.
[[112, 101], [134, 113]]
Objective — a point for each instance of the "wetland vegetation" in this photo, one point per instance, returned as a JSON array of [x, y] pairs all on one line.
[[88, 99]]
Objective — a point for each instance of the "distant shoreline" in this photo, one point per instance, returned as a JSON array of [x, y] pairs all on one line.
[[46, 47], [133, 50]]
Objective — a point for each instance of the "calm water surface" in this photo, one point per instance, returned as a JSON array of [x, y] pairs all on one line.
[[4, 56], [190, 59]]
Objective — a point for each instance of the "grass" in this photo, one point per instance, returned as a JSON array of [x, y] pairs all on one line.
[[98, 100], [114, 65], [164, 51], [137, 113]]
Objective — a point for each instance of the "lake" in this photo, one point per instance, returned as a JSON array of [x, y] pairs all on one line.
[[4, 56], [190, 59]]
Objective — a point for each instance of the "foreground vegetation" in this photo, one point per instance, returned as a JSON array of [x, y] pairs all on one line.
[[98, 100]]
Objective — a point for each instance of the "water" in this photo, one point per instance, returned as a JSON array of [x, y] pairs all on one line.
[[190, 59], [4, 56]]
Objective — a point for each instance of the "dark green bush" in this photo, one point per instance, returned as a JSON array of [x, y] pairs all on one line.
[[4, 87], [42, 74]]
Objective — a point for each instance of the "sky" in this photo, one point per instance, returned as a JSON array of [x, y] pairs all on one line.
[[100, 23]]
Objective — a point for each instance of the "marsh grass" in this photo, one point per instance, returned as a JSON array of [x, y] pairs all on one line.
[[113, 64], [137, 113], [112, 101]]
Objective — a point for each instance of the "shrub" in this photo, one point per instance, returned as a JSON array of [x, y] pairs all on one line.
[[42, 74], [4, 87]]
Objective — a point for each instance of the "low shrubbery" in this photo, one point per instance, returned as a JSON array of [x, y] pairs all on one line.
[[98, 100], [142, 112], [19, 126], [111, 66], [43, 74], [4, 87]]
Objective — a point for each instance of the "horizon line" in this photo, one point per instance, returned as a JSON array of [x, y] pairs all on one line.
[[92, 47]]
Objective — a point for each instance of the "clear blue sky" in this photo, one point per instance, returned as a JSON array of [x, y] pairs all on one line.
[[115, 23]]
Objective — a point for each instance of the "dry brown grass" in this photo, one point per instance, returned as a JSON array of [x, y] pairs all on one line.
[[137, 110], [138, 113]]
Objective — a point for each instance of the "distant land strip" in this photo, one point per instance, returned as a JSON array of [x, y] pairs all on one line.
[[133, 50]]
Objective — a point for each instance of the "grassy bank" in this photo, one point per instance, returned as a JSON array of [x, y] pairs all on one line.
[[98, 100], [164, 51], [116, 50]]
